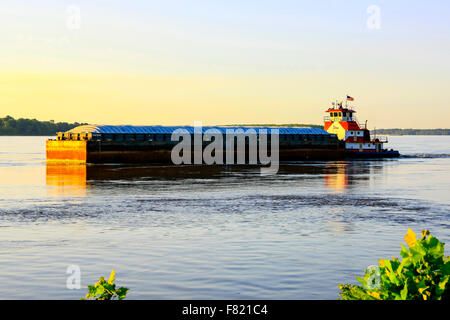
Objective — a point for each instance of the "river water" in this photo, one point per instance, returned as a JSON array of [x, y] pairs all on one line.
[[213, 232]]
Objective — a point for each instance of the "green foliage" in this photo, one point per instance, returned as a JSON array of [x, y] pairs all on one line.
[[106, 290], [32, 127], [422, 274]]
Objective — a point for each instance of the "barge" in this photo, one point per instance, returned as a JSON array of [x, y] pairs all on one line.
[[153, 144]]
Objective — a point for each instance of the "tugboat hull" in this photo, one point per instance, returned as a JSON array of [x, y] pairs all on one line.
[[372, 155]]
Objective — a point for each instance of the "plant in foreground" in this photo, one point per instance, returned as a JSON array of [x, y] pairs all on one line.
[[422, 274], [106, 290]]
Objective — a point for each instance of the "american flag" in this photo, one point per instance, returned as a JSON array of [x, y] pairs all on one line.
[[350, 98]]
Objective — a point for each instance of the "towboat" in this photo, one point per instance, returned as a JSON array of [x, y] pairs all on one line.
[[359, 143]]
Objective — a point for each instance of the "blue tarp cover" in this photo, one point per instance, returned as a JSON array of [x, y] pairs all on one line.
[[125, 129]]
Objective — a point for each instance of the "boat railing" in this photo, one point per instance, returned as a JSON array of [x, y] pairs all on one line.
[[361, 126], [382, 139]]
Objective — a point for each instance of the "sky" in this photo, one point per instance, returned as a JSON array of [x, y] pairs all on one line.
[[225, 62]]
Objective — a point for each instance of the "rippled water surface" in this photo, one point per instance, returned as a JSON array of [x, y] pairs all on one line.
[[213, 232]]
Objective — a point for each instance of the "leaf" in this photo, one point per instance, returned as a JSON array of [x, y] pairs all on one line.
[[400, 267], [361, 280], [111, 277], [393, 278], [445, 268], [440, 289], [421, 285], [411, 238], [376, 295], [421, 290], [436, 248], [404, 292], [425, 233], [122, 292], [443, 283], [388, 265], [404, 253], [100, 290], [417, 253]]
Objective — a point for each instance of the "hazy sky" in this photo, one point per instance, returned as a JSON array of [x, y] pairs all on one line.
[[224, 62]]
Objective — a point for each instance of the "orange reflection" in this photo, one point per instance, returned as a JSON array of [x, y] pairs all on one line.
[[66, 179], [337, 179]]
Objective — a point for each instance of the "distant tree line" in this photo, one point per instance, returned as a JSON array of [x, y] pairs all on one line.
[[298, 125], [412, 132], [32, 127], [395, 132]]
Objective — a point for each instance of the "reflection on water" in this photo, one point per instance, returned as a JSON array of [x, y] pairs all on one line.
[[76, 179], [66, 179], [345, 175], [339, 179]]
